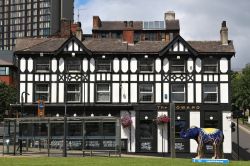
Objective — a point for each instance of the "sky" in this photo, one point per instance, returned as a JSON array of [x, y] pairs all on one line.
[[199, 19]]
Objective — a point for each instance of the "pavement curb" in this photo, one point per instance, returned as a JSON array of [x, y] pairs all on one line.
[[246, 129]]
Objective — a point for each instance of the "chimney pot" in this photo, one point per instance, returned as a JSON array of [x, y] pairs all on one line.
[[169, 16], [224, 33], [96, 22]]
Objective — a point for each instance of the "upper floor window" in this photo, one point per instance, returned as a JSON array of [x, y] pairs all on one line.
[[210, 65], [210, 93], [103, 92], [146, 93], [103, 65], [146, 65], [42, 64], [178, 93], [4, 71], [178, 66], [73, 65], [42, 92], [73, 93]]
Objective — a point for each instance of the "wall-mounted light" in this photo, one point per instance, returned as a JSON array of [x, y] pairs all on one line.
[[41, 54], [103, 57], [146, 117], [178, 57], [75, 115], [211, 117], [178, 117], [92, 115], [73, 54], [109, 115], [146, 56], [57, 115]]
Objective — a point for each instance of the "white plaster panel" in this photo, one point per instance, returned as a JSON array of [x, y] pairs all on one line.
[[216, 77], [133, 92], [76, 47], [70, 46], [133, 65], [151, 77], [226, 125], [30, 77], [92, 77], [92, 65], [47, 77], [124, 77], [36, 77], [54, 77], [190, 65], [22, 65], [145, 77], [85, 65], [158, 93], [162, 135], [103, 77], [98, 77], [194, 121], [210, 77], [165, 65], [158, 65], [124, 65], [42, 77], [223, 77], [181, 47], [61, 93], [190, 93], [22, 89], [198, 93], [22, 77], [116, 77], [223, 65], [140, 77], [224, 98], [61, 64], [198, 77], [92, 93], [30, 64], [125, 131], [116, 91], [54, 65], [198, 65], [116, 65], [175, 47], [124, 93], [108, 77], [30, 91], [133, 77], [165, 92], [157, 77], [85, 92], [205, 78], [53, 93]]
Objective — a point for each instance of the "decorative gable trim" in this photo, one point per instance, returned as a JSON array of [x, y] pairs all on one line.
[[178, 45]]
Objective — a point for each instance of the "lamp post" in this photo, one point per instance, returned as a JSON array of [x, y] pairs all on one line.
[[20, 125], [65, 118]]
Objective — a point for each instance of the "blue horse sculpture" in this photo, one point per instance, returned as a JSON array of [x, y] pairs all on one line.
[[205, 136]]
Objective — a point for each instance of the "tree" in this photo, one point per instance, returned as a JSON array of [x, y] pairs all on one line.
[[241, 88], [8, 95]]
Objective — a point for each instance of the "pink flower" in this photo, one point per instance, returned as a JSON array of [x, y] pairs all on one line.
[[162, 119], [126, 121]]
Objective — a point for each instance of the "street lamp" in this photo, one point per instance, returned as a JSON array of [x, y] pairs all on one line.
[[20, 125]]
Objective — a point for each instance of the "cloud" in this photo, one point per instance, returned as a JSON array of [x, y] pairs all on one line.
[[199, 20]]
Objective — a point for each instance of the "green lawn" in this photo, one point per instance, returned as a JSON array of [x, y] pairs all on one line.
[[103, 161]]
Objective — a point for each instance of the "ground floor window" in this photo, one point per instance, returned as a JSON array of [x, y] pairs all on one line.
[[42, 92], [210, 93]]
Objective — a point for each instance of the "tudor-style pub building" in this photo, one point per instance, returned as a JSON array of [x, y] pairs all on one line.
[[113, 77]]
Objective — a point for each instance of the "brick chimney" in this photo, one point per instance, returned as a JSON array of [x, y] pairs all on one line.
[[224, 33], [65, 30], [169, 16], [128, 36], [96, 22]]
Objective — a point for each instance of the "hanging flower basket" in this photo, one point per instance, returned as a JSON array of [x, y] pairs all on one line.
[[126, 121], [163, 119]]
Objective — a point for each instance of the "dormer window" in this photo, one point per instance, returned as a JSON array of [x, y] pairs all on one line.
[[210, 65], [42, 64], [178, 66], [73, 65]]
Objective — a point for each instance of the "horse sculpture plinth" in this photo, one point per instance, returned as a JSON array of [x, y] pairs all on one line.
[[205, 136]]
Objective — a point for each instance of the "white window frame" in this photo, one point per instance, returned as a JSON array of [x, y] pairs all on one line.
[[99, 62], [74, 92], [204, 66], [183, 92], [43, 92], [178, 71], [215, 92], [73, 60], [146, 92], [103, 91], [146, 65], [42, 64]]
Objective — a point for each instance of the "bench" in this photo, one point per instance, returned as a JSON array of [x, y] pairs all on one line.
[[91, 152]]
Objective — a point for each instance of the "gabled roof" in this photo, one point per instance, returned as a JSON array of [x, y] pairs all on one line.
[[212, 46]]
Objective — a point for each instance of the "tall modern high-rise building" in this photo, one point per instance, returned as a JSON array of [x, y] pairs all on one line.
[[26, 18]]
